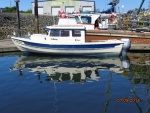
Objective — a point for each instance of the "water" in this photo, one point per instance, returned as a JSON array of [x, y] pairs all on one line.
[[44, 84]]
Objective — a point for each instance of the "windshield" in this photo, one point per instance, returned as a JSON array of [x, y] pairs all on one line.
[[77, 19], [86, 19]]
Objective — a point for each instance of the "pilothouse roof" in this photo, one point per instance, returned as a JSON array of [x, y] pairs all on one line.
[[66, 27]]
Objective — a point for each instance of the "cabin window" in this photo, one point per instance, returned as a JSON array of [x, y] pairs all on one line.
[[65, 33], [76, 33], [59, 33], [54, 32], [86, 19]]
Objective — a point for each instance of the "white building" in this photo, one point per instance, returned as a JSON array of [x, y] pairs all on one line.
[[51, 7]]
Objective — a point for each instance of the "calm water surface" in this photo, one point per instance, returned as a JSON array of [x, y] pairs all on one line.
[[44, 84]]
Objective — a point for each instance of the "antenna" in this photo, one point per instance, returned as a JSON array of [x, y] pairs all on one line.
[[149, 6], [10, 3]]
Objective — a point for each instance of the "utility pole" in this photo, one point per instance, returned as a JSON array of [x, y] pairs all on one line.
[[149, 12], [36, 16]]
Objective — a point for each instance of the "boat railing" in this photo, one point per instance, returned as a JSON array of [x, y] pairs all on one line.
[[102, 40], [21, 33]]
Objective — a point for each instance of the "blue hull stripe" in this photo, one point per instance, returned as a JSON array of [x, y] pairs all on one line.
[[96, 46]]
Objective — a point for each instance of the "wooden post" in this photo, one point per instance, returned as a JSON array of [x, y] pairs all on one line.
[[36, 16], [18, 15]]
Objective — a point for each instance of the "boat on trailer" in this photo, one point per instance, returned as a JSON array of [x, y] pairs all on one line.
[[68, 40]]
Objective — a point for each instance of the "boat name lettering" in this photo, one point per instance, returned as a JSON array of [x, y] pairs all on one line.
[[77, 40], [54, 39]]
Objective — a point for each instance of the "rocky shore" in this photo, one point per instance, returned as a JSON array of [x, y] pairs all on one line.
[[8, 22]]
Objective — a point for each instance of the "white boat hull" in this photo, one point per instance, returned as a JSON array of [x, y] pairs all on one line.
[[67, 39], [69, 51]]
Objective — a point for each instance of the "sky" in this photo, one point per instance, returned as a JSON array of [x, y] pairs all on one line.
[[124, 5]]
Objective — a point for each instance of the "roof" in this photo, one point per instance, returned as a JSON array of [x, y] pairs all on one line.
[[66, 27], [62, 1]]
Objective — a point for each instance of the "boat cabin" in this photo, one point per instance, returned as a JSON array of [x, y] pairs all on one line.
[[66, 34], [90, 21]]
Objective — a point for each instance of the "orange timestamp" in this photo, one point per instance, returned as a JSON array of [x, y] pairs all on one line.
[[126, 100]]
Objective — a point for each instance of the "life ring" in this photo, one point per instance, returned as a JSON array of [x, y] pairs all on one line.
[[112, 17], [63, 15], [61, 10], [76, 12]]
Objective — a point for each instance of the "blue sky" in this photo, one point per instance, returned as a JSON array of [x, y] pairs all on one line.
[[101, 4]]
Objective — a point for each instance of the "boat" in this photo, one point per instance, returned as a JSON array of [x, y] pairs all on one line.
[[68, 40], [91, 21], [136, 38], [102, 26]]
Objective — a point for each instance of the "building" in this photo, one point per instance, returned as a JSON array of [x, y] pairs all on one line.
[[1, 10], [51, 7]]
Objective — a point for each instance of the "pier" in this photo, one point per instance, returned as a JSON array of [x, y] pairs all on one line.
[[7, 45]]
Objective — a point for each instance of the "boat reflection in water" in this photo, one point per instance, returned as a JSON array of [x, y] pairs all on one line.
[[115, 81], [76, 69]]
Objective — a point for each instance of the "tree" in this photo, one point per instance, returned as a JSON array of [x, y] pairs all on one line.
[[29, 11], [10, 9], [13, 10]]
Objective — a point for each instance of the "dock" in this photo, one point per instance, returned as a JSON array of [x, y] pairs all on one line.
[[140, 47], [6, 45], [135, 37]]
